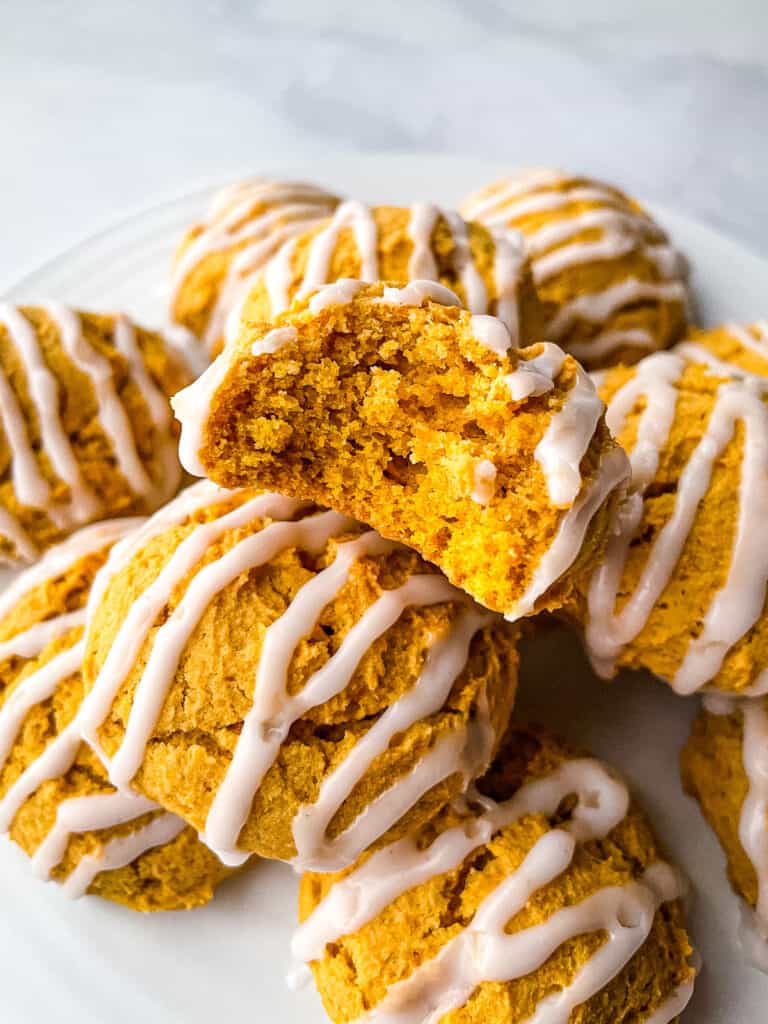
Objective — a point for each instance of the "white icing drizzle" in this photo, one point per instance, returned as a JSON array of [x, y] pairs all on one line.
[[596, 307], [158, 405], [620, 230], [400, 866], [422, 264], [351, 214], [738, 604], [482, 951], [491, 332], [192, 405], [122, 850], [340, 293], [472, 281], [32, 691], [536, 376], [567, 438], [86, 814], [416, 293], [508, 262], [290, 208], [483, 482], [112, 415], [274, 711], [606, 342], [274, 340], [44, 393], [558, 558]]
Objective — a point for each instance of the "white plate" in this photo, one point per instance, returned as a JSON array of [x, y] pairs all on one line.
[[91, 961]]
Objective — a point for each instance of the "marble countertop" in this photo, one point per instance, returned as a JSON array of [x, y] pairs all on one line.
[[107, 107]]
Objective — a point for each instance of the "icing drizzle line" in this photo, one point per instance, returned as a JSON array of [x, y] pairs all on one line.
[[738, 604], [273, 711], [482, 951]]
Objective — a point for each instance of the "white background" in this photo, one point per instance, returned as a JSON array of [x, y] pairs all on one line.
[[109, 105]]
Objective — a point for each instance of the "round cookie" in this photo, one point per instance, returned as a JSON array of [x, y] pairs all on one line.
[[612, 287], [486, 270], [738, 350], [287, 681], [723, 767], [542, 898], [218, 258], [55, 799], [86, 430], [682, 588], [397, 407]]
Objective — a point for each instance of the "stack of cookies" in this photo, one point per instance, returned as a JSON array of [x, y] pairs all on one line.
[[420, 431]]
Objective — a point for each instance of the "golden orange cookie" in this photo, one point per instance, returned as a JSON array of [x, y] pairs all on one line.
[[424, 421], [287, 681], [682, 588], [486, 270], [86, 431], [612, 286], [218, 258], [55, 799], [739, 350], [542, 898]]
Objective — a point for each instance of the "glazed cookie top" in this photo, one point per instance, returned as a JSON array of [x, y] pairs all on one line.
[[682, 588], [486, 270], [398, 407], [736, 350], [612, 286], [55, 799], [723, 766], [86, 425], [218, 258], [541, 893], [288, 681]]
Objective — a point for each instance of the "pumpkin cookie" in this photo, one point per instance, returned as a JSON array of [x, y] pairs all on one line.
[[218, 258], [739, 350], [486, 270], [86, 429], [425, 421], [542, 897], [55, 799], [723, 767], [612, 287], [682, 589], [287, 681]]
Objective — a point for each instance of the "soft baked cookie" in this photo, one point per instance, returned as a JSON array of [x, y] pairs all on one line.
[[287, 681], [486, 270], [217, 259], [86, 431], [425, 421], [739, 350], [55, 799], [542, 898], [612, 286], [682, 588], [724, 767]]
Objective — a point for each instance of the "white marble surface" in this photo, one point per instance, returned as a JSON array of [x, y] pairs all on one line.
[[108, 106]]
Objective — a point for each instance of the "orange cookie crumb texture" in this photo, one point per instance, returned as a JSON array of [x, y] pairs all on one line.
[[612, 286], [682, 588], [56, 801], [542, 896], [401, 409], [487, 270], [87, 431], [219, 258], [289, 682], [723, 767]]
